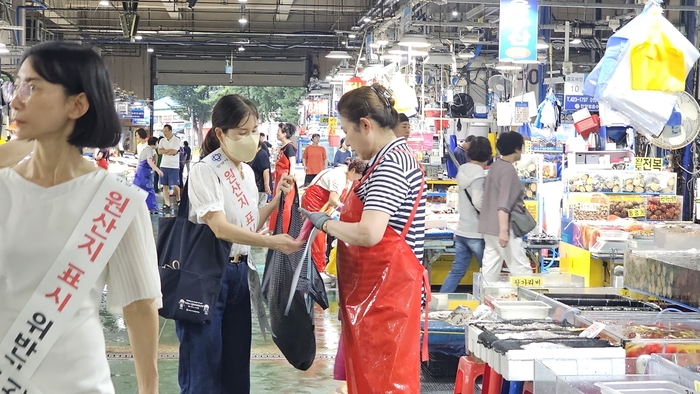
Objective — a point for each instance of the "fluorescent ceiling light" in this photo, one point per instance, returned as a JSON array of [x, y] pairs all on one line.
[[241, 48], [243, 20], [455, 13], [398, 52], [415, 41], [466, 54], [367, 20], [104, 3], [508, 66], [344, 43], [242, 1], [541, 44], [338, 55], [138, 38], [149, 50], [575, 41], [352, 36]]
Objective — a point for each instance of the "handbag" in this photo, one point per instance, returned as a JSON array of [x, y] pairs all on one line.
[[191, 262], [521, 222]]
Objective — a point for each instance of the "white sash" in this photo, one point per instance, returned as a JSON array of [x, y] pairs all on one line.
[[247, 211], [67, 283]]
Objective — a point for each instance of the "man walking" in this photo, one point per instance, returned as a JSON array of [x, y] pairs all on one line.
[[169, 147]]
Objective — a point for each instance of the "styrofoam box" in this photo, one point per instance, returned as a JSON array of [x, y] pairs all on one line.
[[513, 310], [519, 365], [643, 387]]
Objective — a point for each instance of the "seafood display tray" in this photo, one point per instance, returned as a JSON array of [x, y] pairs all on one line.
[[673, 275]]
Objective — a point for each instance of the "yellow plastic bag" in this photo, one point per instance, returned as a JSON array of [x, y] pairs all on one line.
[[331, 267], [657, 64]]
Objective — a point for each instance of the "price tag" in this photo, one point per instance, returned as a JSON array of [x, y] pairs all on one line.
[[525, 281], [528, 147], [588, 207], [667, 199], [593, 330], [522, 113], [323, 120], [697, 385], [637, 213], [332, 122]]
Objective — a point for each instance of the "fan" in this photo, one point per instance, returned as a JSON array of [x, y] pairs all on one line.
[[501, 85], [676, 137]]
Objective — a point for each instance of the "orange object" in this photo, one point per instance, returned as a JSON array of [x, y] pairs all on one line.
[[468, 371], [316, 158], [283, 167], [380, 301]]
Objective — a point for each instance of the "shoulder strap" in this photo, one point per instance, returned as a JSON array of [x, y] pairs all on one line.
[[68, 282], [469, 197]]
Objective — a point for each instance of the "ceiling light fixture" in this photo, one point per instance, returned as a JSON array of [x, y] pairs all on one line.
[[418, 53], [391, 58], [338, 55], [104, 3], [243, 20], [367, 19], [344, 42], [575, 41], [455, 13], [149, 50], [398, 52], [242, 1], [415, 41], [352, 36], [241, 48], [138, 38], [466, 54], [508, 66]]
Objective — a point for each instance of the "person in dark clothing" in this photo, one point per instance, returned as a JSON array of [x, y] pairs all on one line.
[[185, 159], [461, 150], [261, 168], [342, 154], [266, 145]]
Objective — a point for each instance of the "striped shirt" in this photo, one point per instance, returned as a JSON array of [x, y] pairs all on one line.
[[393, 188]]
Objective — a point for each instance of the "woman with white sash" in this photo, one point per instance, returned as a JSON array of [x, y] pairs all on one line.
[[215, 357], [68, 228]]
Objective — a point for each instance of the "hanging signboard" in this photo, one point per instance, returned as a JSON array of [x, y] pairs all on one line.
[[517, 26], [405, 21], [574, 99]]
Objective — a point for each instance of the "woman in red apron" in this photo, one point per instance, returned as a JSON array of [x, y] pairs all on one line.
[[381, 229], [102, 158], [325, 191], [285, 165]]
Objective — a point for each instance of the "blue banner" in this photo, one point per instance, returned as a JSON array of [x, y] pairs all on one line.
[[517, 26]]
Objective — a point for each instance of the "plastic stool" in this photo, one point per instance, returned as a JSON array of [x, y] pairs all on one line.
[[468, 372], [492, 381]]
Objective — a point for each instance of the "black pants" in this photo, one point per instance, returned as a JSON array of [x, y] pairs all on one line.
[[182, 168], [215, 357]]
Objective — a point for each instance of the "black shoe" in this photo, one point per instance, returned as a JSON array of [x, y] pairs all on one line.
[[167, 208]]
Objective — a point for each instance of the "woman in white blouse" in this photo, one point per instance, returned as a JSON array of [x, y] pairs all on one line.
[[63, 99], [215, 357]]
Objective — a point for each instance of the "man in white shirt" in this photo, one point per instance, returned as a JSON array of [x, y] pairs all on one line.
[[169, 147]]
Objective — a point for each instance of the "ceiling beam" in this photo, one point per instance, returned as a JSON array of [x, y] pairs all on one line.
[[583, 4], [283, 9]]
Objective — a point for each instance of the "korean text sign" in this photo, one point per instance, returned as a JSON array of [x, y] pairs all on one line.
[[517, 41]]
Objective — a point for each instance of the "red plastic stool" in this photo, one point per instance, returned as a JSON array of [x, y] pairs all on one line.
[[492, 381], [468, 372], [528, 388]]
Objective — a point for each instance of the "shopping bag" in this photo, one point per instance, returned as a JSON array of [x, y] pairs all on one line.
[[191, 261]]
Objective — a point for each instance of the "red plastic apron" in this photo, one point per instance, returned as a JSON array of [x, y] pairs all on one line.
[[282, 167], [103, 163], [380, 302], [314, 199]]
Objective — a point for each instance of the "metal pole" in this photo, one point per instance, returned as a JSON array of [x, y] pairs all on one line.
[[688, 157]]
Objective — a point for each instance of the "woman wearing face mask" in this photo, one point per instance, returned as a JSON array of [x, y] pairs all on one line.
[[382, 230], [215, 357]]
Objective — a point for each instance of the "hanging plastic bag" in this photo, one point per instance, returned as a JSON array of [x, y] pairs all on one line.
[[331, 267], [647, 110]]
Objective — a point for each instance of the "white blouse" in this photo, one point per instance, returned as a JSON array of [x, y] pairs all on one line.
[[207, 195], [35, 224]]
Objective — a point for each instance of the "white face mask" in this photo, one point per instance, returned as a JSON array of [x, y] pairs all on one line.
[[243, 150]]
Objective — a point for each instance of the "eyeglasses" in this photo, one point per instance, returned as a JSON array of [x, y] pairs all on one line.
[[23, 92]]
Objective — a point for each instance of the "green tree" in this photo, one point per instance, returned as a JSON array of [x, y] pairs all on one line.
[[195, 101], [277, 104]]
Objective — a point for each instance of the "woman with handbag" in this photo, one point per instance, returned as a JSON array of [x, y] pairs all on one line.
[[286, 160], [62, 215], [147, 166], [215, 357], [503, 201], [381, 232]]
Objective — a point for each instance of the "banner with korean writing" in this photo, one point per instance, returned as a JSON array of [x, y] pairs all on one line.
[[517, 41]]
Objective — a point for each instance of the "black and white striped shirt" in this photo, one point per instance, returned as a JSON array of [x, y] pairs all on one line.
[[393, 188]]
